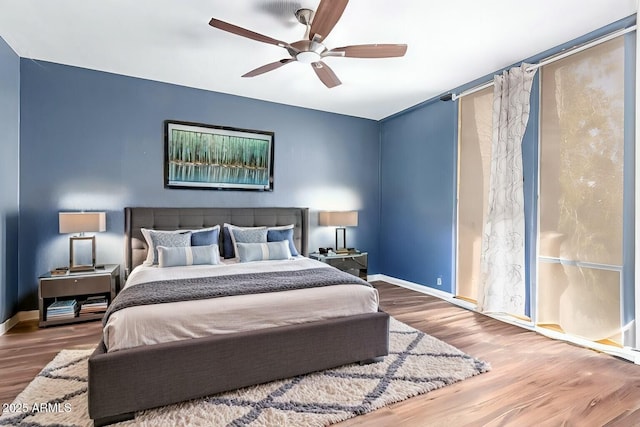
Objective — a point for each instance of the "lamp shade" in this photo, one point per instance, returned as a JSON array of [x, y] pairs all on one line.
[[338, 218], [80, 222]]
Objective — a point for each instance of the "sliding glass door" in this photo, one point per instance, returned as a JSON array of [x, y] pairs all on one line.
[[580, 248], [474, 157], [583, 281]]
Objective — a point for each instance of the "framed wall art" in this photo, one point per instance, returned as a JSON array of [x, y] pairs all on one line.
[[217, 157]]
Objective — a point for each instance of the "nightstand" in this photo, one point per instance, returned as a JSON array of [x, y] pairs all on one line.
[[79, 286], [353, 263]]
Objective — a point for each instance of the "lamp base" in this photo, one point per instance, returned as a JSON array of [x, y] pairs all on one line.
[[82, 253], [340, 246], [347, 251]]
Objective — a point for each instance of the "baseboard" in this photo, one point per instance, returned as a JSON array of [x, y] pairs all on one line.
[[8, 324], [626, 353], [423, 289], [21, 316]]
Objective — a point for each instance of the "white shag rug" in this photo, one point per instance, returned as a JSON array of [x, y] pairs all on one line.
[[417, 363]]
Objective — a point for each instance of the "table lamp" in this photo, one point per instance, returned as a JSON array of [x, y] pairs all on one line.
[[82, 222], [340, 220]]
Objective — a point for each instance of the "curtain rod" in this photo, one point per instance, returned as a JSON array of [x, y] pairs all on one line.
[[548, 60]]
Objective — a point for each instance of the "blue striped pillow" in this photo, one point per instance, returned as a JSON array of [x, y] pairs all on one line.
[[263, 251], [188, 255]]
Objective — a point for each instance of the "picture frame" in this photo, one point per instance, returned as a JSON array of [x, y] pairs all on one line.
[[201, 156]]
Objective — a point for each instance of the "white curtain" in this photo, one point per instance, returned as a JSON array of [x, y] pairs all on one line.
[[502, 282]]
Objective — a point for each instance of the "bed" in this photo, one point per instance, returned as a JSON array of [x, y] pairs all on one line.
[[145, 375]]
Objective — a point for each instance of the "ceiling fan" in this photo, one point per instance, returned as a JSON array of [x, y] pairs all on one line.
[[311, 49]]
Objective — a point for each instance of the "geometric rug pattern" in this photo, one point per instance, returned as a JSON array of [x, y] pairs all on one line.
[[417, 363]]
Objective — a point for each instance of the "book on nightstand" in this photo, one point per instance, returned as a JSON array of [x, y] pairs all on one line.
[[61, 271], [94, 304], [62, 309]]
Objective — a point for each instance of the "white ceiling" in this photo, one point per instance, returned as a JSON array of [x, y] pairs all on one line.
[[450, 43]]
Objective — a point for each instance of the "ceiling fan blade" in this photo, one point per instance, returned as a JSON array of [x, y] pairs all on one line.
[[326, 74], [230, 28], [369, 51], [326, 17], [268, 67]]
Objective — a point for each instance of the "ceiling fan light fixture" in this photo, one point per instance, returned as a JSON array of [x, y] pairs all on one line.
[[308, 57]]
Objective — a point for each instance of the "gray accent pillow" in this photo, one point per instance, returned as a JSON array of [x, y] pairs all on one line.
[[167, 239], [247, 235]]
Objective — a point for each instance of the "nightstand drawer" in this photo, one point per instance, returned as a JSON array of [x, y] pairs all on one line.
[[76, 286]]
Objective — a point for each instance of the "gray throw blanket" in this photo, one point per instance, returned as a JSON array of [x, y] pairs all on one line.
[[163, 291]]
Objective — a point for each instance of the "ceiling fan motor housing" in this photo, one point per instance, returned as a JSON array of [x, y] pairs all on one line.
[[308, 51]]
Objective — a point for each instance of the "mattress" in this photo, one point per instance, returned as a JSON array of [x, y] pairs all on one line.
[[160, 323]]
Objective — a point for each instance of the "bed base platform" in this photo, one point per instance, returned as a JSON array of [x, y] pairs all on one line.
[[126, 381]]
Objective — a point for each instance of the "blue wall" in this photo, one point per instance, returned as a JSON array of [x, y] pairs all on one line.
[[94, 141], [417, 193], [9, 176]]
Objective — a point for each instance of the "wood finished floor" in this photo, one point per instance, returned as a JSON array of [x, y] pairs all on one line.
[[534, 380]]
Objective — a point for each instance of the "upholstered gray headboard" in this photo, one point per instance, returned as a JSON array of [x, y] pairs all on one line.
[[194, 218]]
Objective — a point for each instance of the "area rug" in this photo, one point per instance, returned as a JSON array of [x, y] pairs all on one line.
[[417, 363]]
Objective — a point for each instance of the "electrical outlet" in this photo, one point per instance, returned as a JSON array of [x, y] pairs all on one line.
[[439, 281]]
